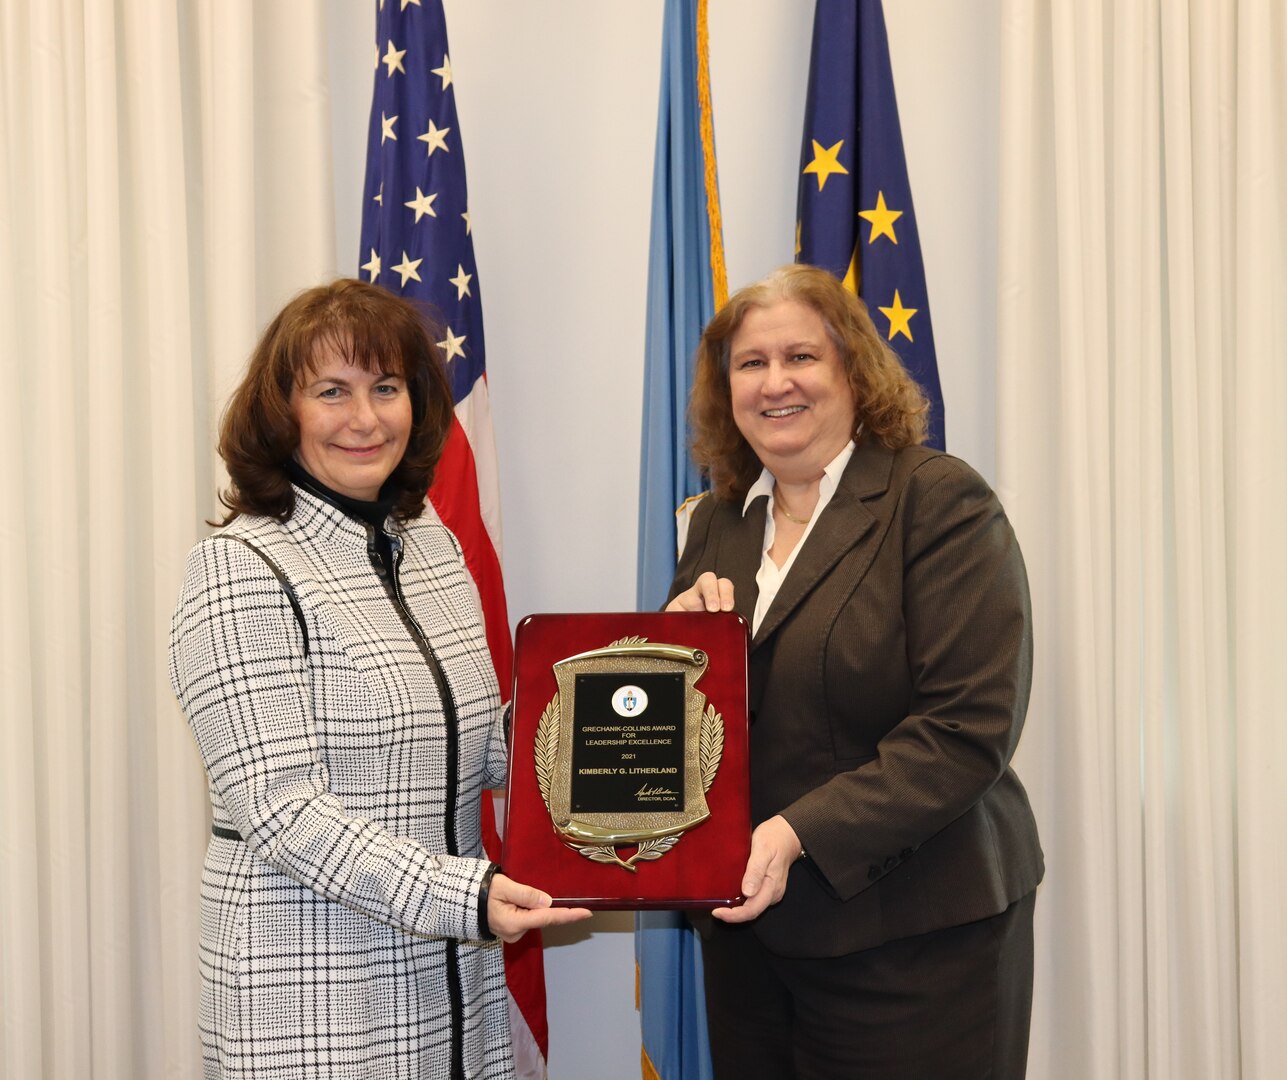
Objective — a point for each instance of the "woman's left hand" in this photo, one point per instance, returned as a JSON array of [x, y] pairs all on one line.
[[774, 847], [513, 909]]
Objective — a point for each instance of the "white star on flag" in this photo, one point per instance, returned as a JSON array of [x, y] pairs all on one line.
[[407, 268], [393, 59], [461, 281], [452, 345], [444, 71], [422, 204], [436, 137]]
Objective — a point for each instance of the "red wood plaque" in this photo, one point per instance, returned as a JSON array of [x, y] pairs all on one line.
[[628, 769]]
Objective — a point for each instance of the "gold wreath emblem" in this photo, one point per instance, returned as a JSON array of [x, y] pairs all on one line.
[[546, 748]]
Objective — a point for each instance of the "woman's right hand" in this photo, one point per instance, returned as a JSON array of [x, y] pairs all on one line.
[[707, 593], [513, 909]]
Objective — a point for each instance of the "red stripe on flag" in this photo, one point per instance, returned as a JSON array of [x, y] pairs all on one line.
[[525, 976], [455, 496], [524, 958]]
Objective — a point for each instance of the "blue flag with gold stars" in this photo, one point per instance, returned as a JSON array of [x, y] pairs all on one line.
[[854, 212]]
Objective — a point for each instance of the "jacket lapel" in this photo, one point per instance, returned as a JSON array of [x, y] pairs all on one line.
[[845, 523], [741, 545]]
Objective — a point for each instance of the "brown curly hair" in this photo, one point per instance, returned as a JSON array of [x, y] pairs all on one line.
[[890, 405], [372, 329]]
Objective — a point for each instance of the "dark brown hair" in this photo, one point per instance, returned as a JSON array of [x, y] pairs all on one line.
[[890, 406], [372, 329]]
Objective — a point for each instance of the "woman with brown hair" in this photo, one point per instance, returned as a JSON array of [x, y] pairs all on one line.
[[327, 650], [887, 928]]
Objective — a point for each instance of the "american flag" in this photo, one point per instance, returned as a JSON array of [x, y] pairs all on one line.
[[417, 242]]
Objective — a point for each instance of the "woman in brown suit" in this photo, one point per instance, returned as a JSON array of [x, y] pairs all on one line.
[[887, 930]]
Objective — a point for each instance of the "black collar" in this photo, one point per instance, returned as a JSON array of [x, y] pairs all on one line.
[[372, 512]]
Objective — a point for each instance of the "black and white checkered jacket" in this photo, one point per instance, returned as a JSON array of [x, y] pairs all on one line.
[[341, 937]]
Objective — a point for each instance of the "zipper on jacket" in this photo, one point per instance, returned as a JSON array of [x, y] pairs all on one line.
[[450, 945], [440, 680]]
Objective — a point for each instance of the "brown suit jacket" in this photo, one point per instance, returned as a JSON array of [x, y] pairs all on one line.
[[888, 687]]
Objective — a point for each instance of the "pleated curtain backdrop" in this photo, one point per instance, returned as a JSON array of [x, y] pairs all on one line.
[[1142, 385], [164, 186]]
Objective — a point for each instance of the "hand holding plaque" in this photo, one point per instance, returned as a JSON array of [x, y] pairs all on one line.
[[628, 759]]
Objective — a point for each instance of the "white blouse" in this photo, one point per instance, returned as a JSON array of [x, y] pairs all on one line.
[[770, 575]]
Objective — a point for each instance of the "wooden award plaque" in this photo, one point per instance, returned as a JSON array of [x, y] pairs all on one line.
[[628, 768]]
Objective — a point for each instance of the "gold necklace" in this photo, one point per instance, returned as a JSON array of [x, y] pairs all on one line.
[[787, 513]]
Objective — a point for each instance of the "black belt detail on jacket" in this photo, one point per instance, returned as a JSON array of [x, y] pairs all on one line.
[[287, 587], [225, 833]]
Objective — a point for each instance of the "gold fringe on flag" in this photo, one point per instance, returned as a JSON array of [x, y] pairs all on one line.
[[719, 275]]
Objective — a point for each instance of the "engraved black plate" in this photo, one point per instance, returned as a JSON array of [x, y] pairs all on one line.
[[628, 743]]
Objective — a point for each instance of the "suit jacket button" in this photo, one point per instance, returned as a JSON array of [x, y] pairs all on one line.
[[873, 872], [906, 853]]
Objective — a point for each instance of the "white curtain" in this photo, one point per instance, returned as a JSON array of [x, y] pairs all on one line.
[[1142, 380], [164, 186]]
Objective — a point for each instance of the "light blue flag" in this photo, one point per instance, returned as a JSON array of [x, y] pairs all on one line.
[[686, 284]]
